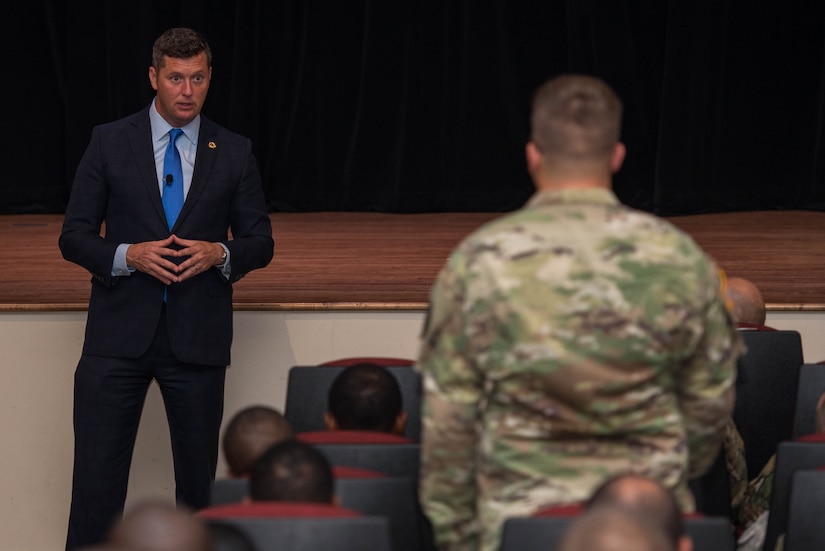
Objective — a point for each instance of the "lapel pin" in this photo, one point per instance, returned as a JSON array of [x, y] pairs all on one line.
[[212, 145]]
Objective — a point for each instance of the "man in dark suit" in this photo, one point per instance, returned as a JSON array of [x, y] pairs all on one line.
[[161, 299]]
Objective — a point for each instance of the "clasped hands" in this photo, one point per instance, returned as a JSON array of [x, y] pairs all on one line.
[[153, 258]]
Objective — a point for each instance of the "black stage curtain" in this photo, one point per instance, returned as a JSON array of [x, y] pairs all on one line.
[[422, 106]]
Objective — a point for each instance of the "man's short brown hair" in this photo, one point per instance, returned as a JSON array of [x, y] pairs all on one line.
[[180, 43], [576, 118]]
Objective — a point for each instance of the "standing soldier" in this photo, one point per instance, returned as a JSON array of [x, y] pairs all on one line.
[[573, 339]]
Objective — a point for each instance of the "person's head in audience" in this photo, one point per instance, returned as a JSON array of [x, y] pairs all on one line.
[[650, 499], [251, 432], [292, 471], [157, 525], [367, 397], [746, 301], [613, 528]]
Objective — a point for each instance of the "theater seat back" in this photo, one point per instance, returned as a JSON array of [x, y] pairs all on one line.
[[304, 534], [308, 386]]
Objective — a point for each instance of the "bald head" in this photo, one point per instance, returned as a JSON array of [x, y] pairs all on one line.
[[613, 528], [160, 526], [745, 300], [649, 498]]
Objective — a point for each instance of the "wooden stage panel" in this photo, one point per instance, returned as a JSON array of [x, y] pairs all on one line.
[[783, 252], [353, 261]]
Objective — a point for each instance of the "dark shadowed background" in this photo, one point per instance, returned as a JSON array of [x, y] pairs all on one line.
[[422, 106]]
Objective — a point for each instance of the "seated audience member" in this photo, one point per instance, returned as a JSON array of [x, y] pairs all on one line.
[[366, 399], [255, 429], [613, 528], [155, 525], [251, 432], [289, 473], [753, 516], [746, 304], [649, 498]]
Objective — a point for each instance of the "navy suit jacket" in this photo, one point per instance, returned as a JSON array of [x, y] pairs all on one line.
[[116, 199]]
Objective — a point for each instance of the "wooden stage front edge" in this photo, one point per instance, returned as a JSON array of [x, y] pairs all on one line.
[[373, 261]]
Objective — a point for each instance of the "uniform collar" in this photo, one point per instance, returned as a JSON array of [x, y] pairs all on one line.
[[595, 196]]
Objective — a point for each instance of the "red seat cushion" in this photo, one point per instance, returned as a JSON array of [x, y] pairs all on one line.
[[342, 471], [351, 437], [266, 509], [570, 510]]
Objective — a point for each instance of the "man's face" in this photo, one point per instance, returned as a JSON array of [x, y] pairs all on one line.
[[181, 86]]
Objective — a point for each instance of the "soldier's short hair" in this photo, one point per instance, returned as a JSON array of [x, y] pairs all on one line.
[[365, 396], [575, 117], [249, 433], [292, 471]]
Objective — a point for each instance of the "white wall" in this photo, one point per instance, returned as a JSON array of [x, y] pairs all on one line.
[[41, 350], [811, 325]]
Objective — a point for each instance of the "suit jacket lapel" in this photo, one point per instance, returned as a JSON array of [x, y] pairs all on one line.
[[208, 148], [140, 140]]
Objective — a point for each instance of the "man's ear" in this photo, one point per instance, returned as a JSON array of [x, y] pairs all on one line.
[[617, 158], [153, 77], [400, 424], [330, 421], [533, 155]]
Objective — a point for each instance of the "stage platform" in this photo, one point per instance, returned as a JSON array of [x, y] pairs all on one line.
[[341, 285], [371, 261]]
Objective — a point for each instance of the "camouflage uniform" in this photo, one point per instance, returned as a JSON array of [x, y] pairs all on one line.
[[757, 498], [734, 449], [567, 341]]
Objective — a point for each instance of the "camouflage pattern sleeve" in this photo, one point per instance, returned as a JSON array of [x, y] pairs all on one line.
[[706, 379], [757, 495], [451, 394], [734, 449]]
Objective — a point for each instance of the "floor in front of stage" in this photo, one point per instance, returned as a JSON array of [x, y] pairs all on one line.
[[354, 261]]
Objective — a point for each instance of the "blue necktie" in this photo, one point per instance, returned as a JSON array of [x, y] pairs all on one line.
[[172, 179]]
